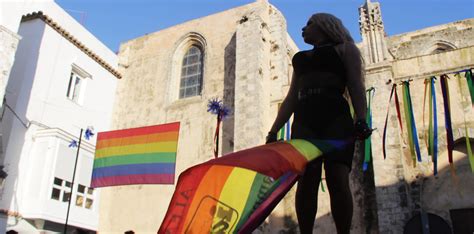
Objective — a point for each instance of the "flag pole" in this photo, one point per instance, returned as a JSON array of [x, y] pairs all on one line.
[[72, 183]]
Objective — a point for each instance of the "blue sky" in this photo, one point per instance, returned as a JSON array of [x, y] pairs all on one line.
[[117, 21]]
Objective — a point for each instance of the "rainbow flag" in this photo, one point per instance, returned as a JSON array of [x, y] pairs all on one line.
[[236, 192], [145, 155]]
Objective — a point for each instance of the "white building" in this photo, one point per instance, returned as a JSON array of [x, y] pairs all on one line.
[[63, 79]]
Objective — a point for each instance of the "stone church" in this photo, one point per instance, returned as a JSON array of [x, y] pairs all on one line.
[[243, 57]]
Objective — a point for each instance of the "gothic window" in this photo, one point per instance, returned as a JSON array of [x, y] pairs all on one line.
[[191, 73], [440, 47], [440, 50]]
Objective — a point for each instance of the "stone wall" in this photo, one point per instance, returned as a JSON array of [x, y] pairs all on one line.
[[238, 68], [450, 36], [402, 189], [248, 64]]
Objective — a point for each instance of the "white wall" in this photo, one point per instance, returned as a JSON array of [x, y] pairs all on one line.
[[12, 10], [37, 92], [51, 157]]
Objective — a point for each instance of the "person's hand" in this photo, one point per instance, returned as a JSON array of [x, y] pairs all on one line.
[[362, 130], [271, 137]]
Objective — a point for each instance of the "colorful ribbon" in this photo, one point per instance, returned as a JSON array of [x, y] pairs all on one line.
[[284, 133], [433, 127], [468, 143], [322, 186], [425, 137], [367, 142], [216, 136], [410, 121], [447, 119], [394, 87], [470, 84], [399, 116]]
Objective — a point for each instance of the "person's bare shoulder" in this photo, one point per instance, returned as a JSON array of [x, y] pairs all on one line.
[[347, 50]]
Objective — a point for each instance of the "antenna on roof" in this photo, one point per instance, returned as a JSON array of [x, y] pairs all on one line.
[[82, 17]]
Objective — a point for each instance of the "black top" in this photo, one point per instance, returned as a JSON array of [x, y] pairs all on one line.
[[320, 81], [319, 68]]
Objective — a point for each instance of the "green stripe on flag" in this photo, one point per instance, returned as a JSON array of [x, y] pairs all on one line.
[[135, 159], [257, 186]]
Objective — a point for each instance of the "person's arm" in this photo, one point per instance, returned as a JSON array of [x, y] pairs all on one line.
[[352, 60], [286, 110]]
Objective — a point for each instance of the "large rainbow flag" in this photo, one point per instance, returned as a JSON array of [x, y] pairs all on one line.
[[236, 192], [145, 155]]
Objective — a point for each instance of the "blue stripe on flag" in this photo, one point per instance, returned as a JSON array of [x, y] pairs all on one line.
[[134, 169]]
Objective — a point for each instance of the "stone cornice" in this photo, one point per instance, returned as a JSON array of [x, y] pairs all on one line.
[[437, 72], [378, 67], [72, 39]]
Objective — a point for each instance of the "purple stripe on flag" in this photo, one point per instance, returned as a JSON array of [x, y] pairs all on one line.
[[134, 169], [133, 179]]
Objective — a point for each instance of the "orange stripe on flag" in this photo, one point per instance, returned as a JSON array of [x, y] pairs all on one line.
[[209, 191], [135, 140]]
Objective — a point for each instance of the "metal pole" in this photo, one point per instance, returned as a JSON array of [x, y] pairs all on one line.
[[72, 183]]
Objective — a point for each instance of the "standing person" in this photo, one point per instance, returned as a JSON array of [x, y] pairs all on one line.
[[320, 78]]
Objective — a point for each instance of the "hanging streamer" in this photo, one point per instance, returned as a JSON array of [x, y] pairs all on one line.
[[394, 87], [468, 143], [399, 116], [410, 120], [281, 133], [367, 142], [288, 135], [447, 120], [284, 133], [425, 137], [216, 106], [433, 127], [470, 84]]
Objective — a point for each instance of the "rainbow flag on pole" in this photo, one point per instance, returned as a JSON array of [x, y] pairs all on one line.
[[145, 155]]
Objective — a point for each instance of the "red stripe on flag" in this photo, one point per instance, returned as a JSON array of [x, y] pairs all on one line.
[[133, 179], [138, 131], [264, 160], [183, 196]]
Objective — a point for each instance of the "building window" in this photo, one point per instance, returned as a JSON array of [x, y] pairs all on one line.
[[61, 190], [84, 197], [77, 83], [441, 47], [74, 88], [191, 73]]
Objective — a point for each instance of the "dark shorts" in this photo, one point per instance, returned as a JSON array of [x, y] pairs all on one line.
[[326, 119]]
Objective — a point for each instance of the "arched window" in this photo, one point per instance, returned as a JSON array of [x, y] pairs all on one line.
[[440, 47], [191, 73]]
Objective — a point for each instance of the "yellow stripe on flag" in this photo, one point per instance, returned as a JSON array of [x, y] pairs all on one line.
[[308, 150], [235, 194], [166, 146]]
